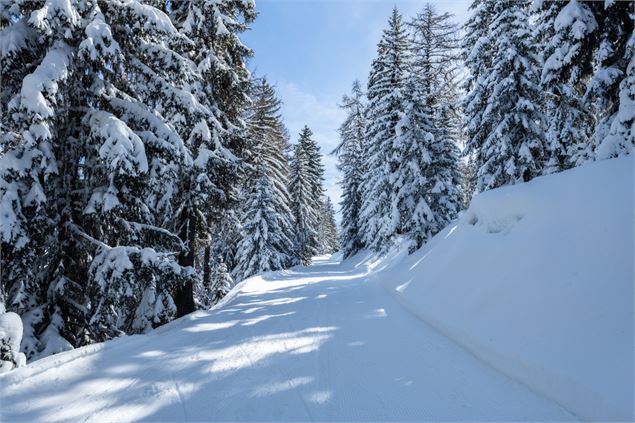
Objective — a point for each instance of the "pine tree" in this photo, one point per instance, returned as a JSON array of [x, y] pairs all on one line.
[[508, 144], [267, 224], [264, 246], [415, 136], [209, 190], [209, 292], [328, 234], [305, 187], [611, 89], [385, 107], [477, 54], [110, 131], [445, 177], [350, 154], [468, 170], [566, 58]]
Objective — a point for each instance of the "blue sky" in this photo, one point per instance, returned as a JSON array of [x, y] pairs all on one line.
[[313, 50]]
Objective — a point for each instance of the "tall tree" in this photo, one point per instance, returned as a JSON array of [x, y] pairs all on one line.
[[305, 187], [209, 190], [265, 245], [84, 147], [566, 59], [509, 143], [350, 153], [610, 89], [386, 84], [267, 222], [328, 233], [436, 56], [410, 203]]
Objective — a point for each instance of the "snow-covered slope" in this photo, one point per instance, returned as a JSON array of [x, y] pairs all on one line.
[[531, 295], [537, 280]]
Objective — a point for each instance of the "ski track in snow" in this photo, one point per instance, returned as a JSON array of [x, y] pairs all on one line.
[[316, 343]]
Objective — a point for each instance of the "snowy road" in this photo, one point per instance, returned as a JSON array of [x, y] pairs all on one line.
[[325, 342]]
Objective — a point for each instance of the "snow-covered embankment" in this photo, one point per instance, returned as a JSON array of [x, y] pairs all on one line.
[[537, 280]]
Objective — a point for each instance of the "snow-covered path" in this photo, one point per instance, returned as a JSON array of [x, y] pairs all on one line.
[[325, 342]]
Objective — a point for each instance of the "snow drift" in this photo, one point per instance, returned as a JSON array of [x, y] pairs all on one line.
[[537, 280]]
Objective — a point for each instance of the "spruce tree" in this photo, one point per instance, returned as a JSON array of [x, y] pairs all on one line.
[[566, 57], [509, 144], [477, 55], [350, 153], [329, 237], [386, 85], [103, 115], [264, 245], [610, 89], [305, 187], [209, 191], [412, 178]]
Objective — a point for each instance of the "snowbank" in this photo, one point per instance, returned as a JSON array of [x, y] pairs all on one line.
[[537, 280]]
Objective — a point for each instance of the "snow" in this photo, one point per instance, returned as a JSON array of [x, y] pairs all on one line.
[[11, 335], [537, 280], [122, 149], [15, 38], [313, 343], [521, 310], [44, 80]]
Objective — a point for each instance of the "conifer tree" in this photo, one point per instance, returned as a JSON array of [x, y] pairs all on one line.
[[566, 58], [436, 56], [610, 89], [411, 212], [477, 55], [103, 114], [329, 237], [385, 107], [305, 187], [210, 190], [508, 143], [265, 245], [265, 186], [350, 154]]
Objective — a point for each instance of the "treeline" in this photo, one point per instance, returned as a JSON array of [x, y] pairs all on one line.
[[549, 86], [142, 169]]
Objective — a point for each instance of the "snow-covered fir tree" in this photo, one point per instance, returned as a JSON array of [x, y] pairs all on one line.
[[208, 292], [468, 170], [328, 233], [446, 194], [105, 113], [435, 69], [505, 134], [305, 188], [563, 38], [209, 189], [386, 85], [267, 147], [415, 136], [350, 153], [264, 245], [477, 56], [586, 76], [611, 89]]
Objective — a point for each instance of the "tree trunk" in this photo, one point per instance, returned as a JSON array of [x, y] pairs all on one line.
[[184, 294]]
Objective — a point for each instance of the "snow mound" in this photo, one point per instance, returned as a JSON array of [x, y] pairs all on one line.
[[537, 280], [10, 337]]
